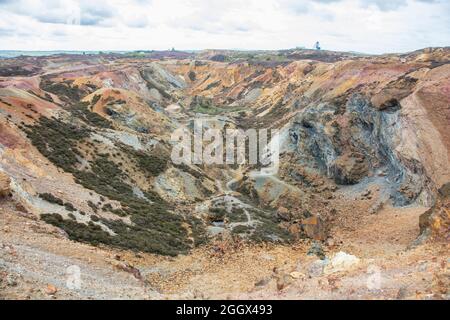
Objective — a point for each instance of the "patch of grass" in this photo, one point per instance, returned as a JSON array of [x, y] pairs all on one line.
[[206, 106], [137, 237], [213, 85], [192, 76], [53, 199], [213, 110], [119, 212], [154, 229], [192, 172], [15, 71], [153, 164]]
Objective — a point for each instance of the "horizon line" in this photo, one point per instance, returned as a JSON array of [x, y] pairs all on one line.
[[62, 51]]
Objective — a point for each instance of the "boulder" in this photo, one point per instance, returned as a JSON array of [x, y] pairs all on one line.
[[5, 188], [284, 214], [126, 267], [314, 228], [51, 290], [341, 261], [349, 168], [436, 220], [316, 268], [297, 275]]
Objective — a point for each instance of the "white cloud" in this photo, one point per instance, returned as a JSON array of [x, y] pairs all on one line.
[[358, 25]]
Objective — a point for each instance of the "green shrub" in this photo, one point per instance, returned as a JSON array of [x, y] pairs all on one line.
[[64, 90], [95, 99], [51, 198], [93, 119], [198, 231], [72, 216], [69, 207], [153, 164], [90, 233], [241, 229], [57, 141], [119, 212], [237, 215], [107, 207], [217, 214], [92, 205]]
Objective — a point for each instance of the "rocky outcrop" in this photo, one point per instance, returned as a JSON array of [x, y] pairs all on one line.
[[349, 168], [5, 189], [354, 140], [314, 228], [157, 77], [435, 222], [395, 91]]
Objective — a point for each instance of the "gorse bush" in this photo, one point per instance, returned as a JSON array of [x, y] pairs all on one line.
[[51, 198], [152, 164], [81, 110], [57, 141], [236, 215], [64, 90], [90, 233]]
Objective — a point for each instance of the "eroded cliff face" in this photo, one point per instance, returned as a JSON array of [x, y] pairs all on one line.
[[435, 223], [356, 141], [86, 142]]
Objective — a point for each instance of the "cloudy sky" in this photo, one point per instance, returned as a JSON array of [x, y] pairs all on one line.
[[371, 26]]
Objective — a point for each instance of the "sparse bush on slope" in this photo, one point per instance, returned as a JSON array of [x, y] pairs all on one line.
[[155, 228]]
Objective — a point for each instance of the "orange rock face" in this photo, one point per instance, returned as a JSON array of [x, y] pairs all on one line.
[[437, 219]]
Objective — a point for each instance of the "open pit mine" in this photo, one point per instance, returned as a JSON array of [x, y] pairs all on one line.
[[92, 205]]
